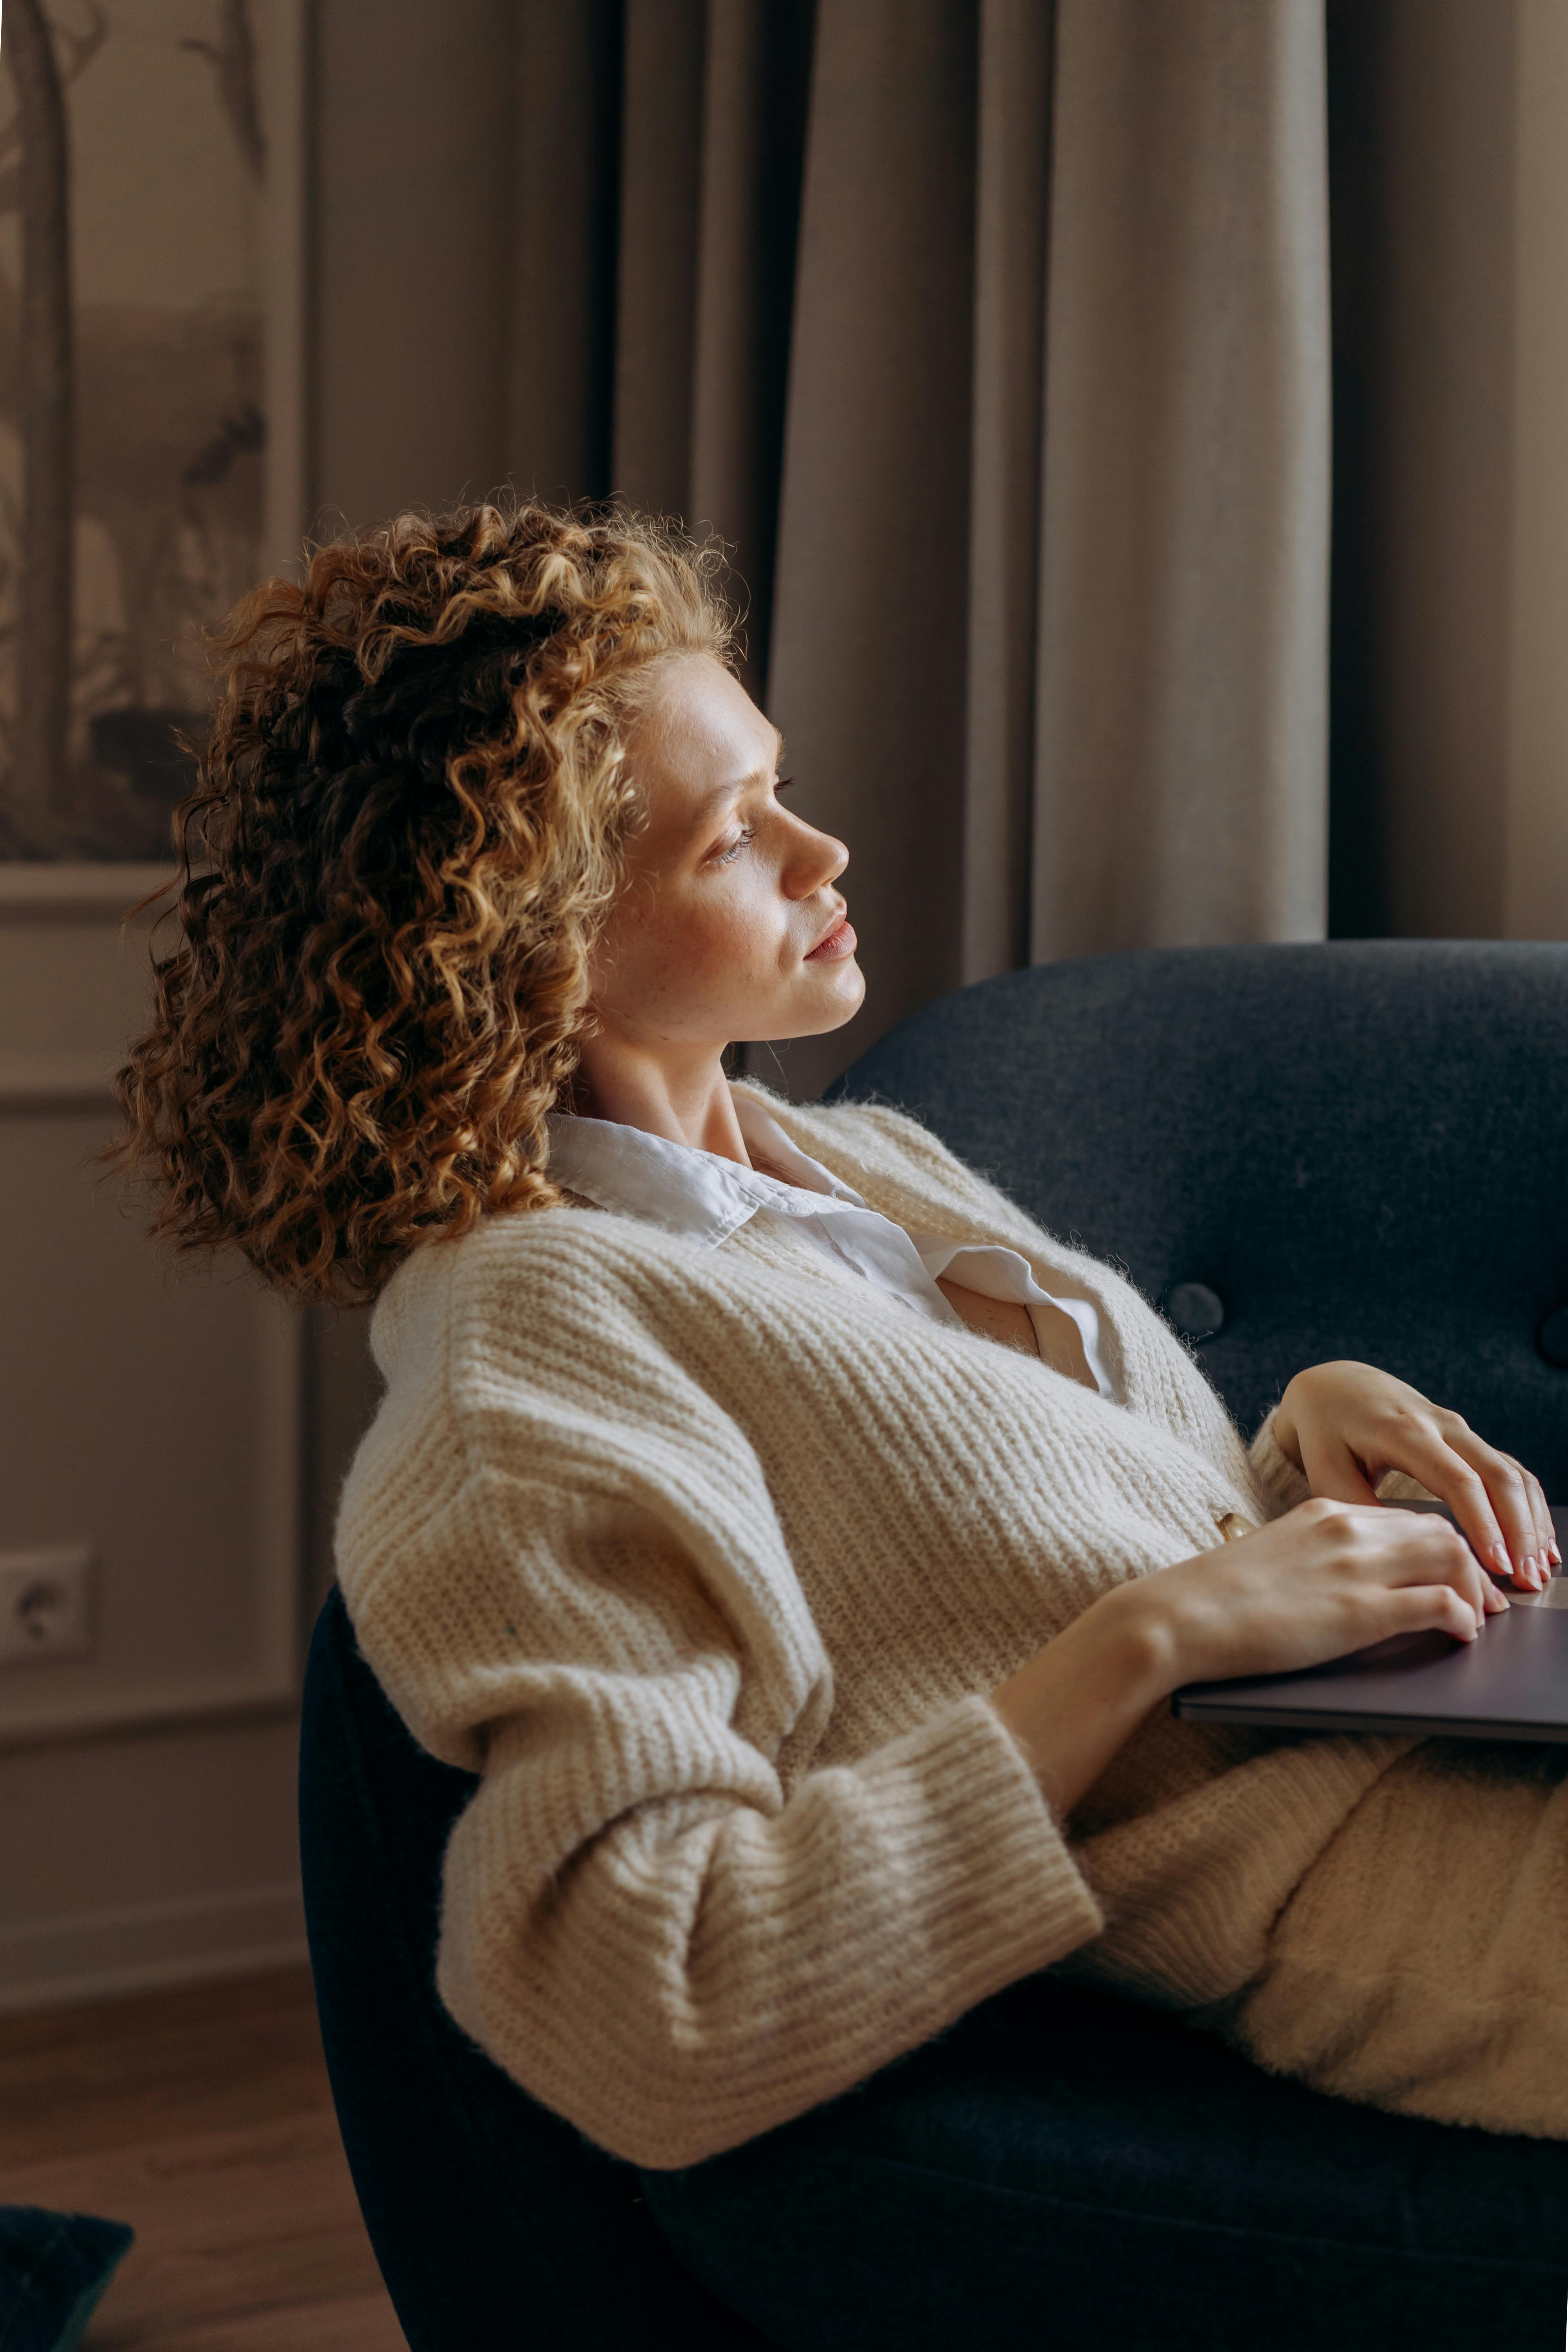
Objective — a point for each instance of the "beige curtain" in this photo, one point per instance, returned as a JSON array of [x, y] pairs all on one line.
[[1050, 637], [1182, 745], [993, 336], [1450, 178]]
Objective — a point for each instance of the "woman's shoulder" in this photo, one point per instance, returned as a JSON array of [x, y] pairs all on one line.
[[519, 1278]]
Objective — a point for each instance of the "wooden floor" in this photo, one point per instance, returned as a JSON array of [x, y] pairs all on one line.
[[202, 2118]]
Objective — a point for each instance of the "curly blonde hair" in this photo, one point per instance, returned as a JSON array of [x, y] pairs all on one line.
[[407, 831]]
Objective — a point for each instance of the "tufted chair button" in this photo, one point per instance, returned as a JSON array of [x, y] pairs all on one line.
[[1196, 1311], [1552, 1337]]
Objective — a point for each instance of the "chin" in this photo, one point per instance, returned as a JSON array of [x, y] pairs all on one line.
[[849, 994]]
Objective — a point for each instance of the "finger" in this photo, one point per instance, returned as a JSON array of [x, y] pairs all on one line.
[[1547, 1555], [1424, 1454], [1417, 1550], [1542, 1509], [1333, 1472], [1440, 1554], [1509, 1499], [1427, 1608], [1466, 1576]]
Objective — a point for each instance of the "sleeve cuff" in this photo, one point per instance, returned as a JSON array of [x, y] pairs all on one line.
[[1280, 1480], [1003, 1895]]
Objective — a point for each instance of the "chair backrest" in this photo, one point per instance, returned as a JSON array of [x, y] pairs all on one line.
[[493, 2222], [1355, 1150]]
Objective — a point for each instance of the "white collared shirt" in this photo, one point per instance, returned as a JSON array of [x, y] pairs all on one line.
[[705, 1198]]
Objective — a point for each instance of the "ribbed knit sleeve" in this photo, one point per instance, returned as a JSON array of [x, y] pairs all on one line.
[[1280, 1480], [709, 1964], [657, 1915]]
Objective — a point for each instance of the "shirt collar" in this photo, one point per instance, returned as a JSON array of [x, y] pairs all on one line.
[[693, 1194]]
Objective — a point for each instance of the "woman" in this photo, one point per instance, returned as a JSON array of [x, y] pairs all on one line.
[[797, 1541]]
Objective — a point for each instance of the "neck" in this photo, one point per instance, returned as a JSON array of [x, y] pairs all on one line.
[[686, 1101]]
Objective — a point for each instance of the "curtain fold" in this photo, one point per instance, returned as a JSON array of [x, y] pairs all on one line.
[[866, 675], [1012, 227], [656, 326], [1181, 788], [558, 267], [756, 96]]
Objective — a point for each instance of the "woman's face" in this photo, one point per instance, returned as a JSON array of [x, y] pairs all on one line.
[[729, 925]]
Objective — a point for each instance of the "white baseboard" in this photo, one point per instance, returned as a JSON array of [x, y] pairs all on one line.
[[192, 1940]]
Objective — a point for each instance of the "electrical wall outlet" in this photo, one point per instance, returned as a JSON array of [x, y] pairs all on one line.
[[45, 1604]]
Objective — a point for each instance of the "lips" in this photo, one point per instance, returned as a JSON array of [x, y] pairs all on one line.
[[835, 944]]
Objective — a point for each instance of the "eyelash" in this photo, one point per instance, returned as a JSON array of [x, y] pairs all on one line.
[[728, 856]]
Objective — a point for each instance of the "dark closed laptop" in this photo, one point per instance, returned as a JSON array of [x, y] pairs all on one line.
[[1510, 1683]]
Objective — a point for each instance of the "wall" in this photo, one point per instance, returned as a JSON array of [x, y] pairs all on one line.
[[187, 1430], [171, 1420], [146, 1791]]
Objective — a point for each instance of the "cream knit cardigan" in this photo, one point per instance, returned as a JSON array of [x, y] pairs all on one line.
[[705, 1559]]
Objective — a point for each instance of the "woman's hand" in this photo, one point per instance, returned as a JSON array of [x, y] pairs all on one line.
[[1345, 1426], [1324, 1580]]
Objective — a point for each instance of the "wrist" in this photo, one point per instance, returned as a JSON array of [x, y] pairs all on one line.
[[1282, 1422], [1142, 1631], [1080, 1699]]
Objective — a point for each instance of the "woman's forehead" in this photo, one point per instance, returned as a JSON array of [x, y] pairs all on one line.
[[700, 739]]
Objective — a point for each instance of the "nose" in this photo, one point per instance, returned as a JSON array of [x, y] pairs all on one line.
[[816, 860]]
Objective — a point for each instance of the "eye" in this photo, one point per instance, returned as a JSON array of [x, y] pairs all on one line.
[[727, 855], [731, 849]]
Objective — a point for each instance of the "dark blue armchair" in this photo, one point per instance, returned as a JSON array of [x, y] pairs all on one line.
[[1303, 1153]]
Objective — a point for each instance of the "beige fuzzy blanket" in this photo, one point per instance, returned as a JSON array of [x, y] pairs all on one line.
[[1422, 1964]]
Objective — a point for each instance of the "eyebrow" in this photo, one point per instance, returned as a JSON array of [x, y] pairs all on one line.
[[722, 793]]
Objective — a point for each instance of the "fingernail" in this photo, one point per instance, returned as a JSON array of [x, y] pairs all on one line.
[[1553, 1555], [1499, 1558]]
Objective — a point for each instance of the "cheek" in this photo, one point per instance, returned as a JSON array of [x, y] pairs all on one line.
[[715, 941], [679, 951]]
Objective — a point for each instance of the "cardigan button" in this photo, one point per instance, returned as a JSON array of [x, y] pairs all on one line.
[[1552, 1337], [1196, 1311], [1232, 1525]]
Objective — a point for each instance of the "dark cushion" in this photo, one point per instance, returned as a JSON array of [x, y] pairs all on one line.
[[54, 2268], [1068, 2169], [1355, 1149], [493, 2222]]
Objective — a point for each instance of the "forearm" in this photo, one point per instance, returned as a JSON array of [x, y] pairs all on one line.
[[1080, 1699]]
